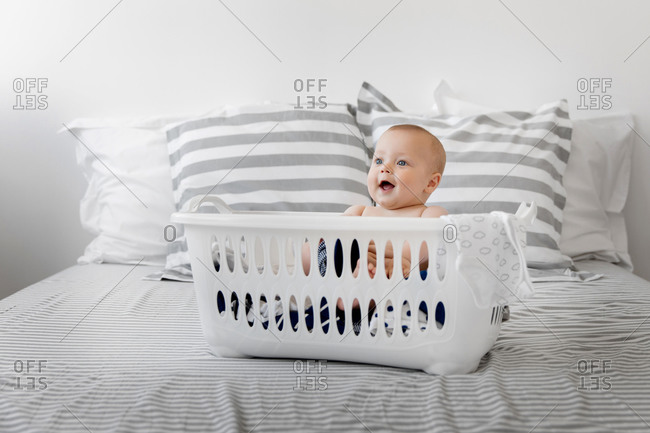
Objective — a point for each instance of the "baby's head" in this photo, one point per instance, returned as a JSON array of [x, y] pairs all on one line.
[[407, 167]]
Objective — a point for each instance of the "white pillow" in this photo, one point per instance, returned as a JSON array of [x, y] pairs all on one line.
[[596, 179], [129, 199], [609, 140], [267, 157], [530, 147], [596, 226]]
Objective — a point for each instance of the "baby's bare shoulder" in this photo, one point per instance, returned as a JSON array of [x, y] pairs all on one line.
[[434, 212], [356, 210]]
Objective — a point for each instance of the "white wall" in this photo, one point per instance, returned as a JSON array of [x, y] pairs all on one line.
[[156, 57]]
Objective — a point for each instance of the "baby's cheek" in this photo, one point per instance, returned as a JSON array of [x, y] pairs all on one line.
[[370, 177], [370, 184]]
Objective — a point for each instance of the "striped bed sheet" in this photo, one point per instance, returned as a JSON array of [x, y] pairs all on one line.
[[95, 348]]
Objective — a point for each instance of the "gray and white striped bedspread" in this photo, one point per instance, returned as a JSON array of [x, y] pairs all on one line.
[[576, 357]]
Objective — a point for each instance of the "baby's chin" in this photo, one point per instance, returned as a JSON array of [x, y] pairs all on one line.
[[385, 204], [395, 205]]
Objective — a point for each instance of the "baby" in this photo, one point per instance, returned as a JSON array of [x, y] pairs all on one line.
[[407, 167]]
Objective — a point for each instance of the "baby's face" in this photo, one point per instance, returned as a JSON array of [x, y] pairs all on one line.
[[402, 172]]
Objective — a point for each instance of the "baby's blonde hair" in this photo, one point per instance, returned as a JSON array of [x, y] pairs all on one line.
[[439, 154]]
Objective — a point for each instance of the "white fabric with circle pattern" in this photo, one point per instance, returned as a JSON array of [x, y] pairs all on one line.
[[491, 256]]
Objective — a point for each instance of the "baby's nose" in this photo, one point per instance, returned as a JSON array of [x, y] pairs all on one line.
[[384, 168]]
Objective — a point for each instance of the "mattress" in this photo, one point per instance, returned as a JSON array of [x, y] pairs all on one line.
[[96, 348]]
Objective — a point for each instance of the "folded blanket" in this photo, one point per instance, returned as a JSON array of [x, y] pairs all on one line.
[[491, 256]]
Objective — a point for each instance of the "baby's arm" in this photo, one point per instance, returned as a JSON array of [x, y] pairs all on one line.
[[407, 261], [305, 257], [434, 212], [356, 210]]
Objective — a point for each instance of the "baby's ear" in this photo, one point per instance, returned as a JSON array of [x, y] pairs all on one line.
[[433, 183]]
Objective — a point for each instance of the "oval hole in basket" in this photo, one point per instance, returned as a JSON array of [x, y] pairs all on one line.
[[338, 258], [322, 257], [264, 312], [324, 315], [306, 257], [354, 258], [389, 318], [229, 254], [423, 316], [407, 264], [440, 315], [243, 254], [234, 305], [389, 263], [221, 303], [356, 317], [293, 313], [371, 257], [290, 256], [372, 317], [424, 260], [279, 313], [406, 318], [249, 305], [259, 255], [340, 316], [441, 261], [274, 256], [216, 254], [309, 314]]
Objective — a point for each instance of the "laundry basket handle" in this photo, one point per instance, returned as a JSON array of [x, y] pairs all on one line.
[[527, 214], [221, 205]]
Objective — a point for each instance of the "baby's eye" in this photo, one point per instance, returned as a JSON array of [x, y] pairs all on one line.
[[401, 162], [378, 161]]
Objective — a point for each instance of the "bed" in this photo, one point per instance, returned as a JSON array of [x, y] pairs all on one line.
[[120, 354], [115, 343]]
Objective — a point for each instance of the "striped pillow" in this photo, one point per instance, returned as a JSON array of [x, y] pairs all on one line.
[[494, 162], [267, 157]]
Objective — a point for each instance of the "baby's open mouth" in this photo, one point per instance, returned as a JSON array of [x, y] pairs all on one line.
[[386, 185]]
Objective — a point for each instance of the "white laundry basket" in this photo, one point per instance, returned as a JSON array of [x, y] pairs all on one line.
[[251, 263]]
